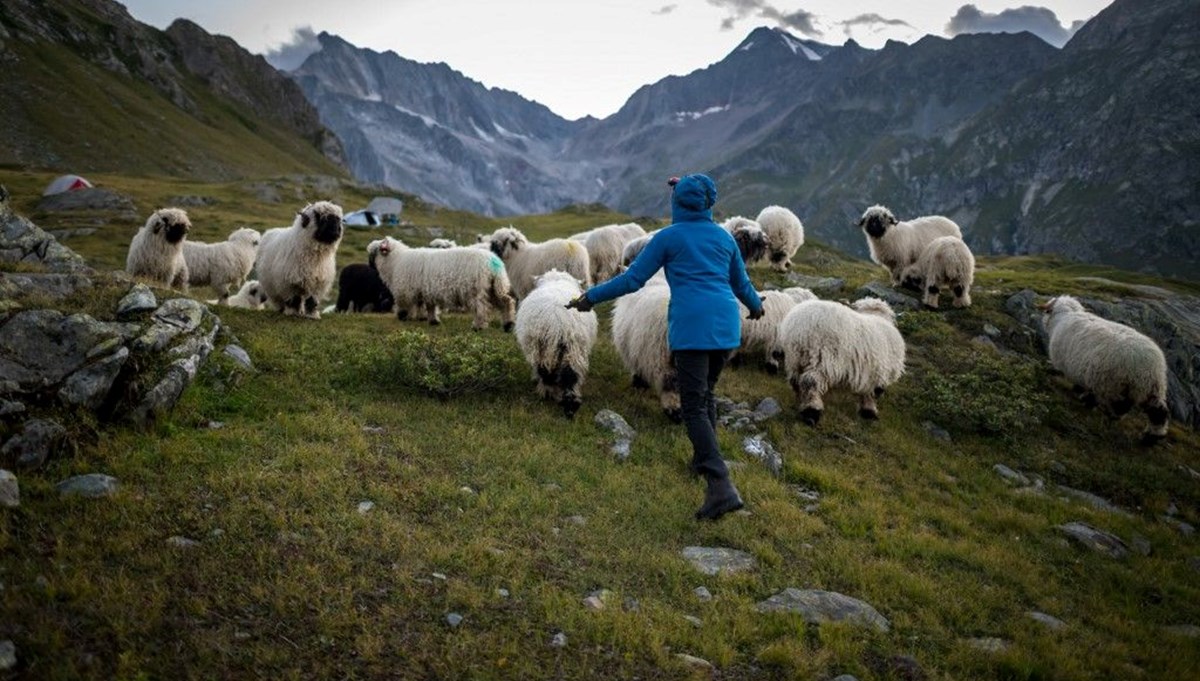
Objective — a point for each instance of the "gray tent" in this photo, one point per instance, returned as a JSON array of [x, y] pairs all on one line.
[[387, 209]]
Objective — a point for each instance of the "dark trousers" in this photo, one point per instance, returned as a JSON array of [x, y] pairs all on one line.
[[697, 372]]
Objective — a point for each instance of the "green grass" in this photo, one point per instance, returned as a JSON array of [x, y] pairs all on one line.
[[298, 584]]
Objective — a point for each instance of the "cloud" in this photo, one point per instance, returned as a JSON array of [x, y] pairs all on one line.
[[799, 20], [1039, 21], [666, 9], [291, 54], [874, 21]]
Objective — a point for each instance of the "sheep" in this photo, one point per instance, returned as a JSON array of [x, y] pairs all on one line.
[[758, 335], [639, 332], [634, 248], [156, 251], [296, 265], [429, 278], [250, 296], [824, 345], [606, 245], [443, 243], [224, 265], [896, 245], [752, 241], [945, 263], [785, 234], [1112, 364], [361, 289], [557, 342], [525, 260]]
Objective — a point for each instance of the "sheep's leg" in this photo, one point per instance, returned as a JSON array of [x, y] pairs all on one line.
[[669, 399], [343, 301], [311, 308], [1086, 396], [1158, 415], [735, 360], [570, 399], [431, 313], [867, 407], [962, 296], [481, 308], [772, 364], [291, 307], [809, 389], [639, 382], [931, 296], [507, 305]]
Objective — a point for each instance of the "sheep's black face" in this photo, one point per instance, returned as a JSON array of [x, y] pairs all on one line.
[[499, 246], [876, 225], [175, 231], [328, 228], [753, 246]]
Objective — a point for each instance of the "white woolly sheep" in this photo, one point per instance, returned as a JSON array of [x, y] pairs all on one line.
[[635, 247], [639, 332], [443, 243], [758, 335], [526, 260], [785, 234], [556, 342], [752, 241], [895, 244], [432, 278], [224, 265], [297, 265], [825, 345], [1112, 364], [249, 297], [156, 251], [946, 263], [606, 245]]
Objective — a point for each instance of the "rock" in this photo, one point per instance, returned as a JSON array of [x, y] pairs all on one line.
[[90, 198], [374, 430], [845, 677], [11, 408], [139, 299], [1050, 621], [23, 241], [1096, 540], [1023, 308], [759, 448], [1184, 630], [8, 655], [90, 486], [691, 661], [175, 317], [991, 331], [817, 607], [936, 431], [715, 561], [1141, 545], [466, 489], [631, 604], [162, 397], [89, 386], [1011, 476], [623, 434], [896, 299], [558, 640], [703, 593], [694, 621], [593, 603], [454, 619], [905, 668], [804, 493], [1096, 502], [55, 286], [364, 507], [1185, 529], [181, 542], [239, 355], [40, 440], [502, 593], [10, 490], [40, 348], [577, 520], [768, 408], [989, 644], [215, 425], [824, 286]]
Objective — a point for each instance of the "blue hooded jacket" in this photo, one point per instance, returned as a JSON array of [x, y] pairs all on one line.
[[704, 270]]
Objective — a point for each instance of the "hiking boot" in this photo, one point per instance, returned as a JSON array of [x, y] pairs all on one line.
[[720, 498]]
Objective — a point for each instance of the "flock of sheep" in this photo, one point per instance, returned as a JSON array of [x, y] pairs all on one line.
[[819, 345]]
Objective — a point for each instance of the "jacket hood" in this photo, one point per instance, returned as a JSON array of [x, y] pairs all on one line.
[[693, 199]]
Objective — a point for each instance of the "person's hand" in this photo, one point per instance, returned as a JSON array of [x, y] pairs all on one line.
[[581, 304], [755, 314]]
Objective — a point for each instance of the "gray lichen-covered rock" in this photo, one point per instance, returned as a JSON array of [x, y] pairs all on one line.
[[89, 386], [623, 433], [768, 408], [822, 286], [23, 241], [139, 299], [40, 348], [1050, 621], [716, 561], [817, 607], [1096, 540], [162, 397], [759, 448], [52, 285], [40, 440], [239, 355], [10, 490], [891, 296], [91, 486], [8, 655]]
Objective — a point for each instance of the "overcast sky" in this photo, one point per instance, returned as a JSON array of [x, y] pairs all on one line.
[[588, 57]]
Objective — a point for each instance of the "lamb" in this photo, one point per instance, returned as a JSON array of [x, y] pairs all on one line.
[[429, 278], [556, 342], [639, 332], [751, 239], [156, 251], [250, 296], [525, 260], [296, 265], [825, 345], [896, 245], [945, 263], [443, 243], [223, 266], [606, 245], [360, 289], [758, 335], [1113, 364], [785, 234]]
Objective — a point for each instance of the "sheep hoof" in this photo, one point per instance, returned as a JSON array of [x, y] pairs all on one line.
[[570, 406], [674, 415], [869, 414], [508, 326], [811, 416]]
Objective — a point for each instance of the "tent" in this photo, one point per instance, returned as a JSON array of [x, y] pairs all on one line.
[[361, 218], [387, 209], [66, 183]]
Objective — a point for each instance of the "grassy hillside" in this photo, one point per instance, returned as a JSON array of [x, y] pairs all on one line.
[[494, 490]]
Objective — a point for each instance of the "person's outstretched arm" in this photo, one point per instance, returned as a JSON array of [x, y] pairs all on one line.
[[650, 260], [743, 288]]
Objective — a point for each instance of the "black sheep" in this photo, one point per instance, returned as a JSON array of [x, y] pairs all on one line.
[[360, 290]]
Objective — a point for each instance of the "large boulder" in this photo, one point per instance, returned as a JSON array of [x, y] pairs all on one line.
[[24, 242]]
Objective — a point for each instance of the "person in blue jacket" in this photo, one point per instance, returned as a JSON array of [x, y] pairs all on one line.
[[707, 277]]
